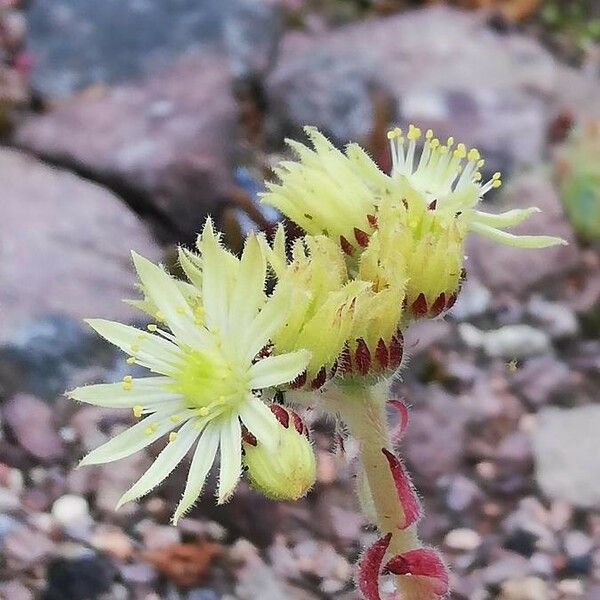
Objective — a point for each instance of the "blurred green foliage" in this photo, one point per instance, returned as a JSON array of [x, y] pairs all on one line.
[[578, 174]]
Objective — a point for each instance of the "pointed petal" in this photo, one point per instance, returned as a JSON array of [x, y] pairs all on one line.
[[370, 566], [518, 241], [146, 391], [505, 219], [248, 293], [231, 457], [165, 462], [204, 457], [275, 370], [261, 423], [155, 352], [165, 293], [135, 438]]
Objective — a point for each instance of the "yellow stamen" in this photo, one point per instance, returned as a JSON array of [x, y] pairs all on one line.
[[172, 436], [137, 411], [152, 327], [130, 360]]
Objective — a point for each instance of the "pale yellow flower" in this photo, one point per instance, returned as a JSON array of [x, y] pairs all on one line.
[[209, 368]]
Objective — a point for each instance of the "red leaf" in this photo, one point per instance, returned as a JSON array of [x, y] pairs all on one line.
[[362, 356], [419, 306], [438, 306], [382, 355], [319, 380], [281, 414], [361, 237], [346, 246], [427, 566], [396, 350], [369, 567], [406, 493]]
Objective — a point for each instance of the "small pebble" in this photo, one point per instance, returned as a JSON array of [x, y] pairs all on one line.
[[71, 510], [463, 539], [528, 588]]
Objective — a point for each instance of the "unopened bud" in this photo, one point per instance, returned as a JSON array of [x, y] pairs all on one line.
[[288, 472]]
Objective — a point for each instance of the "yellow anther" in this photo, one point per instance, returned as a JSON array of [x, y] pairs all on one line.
[[461, 151], [151, 428], [450, 142], [131, 360], [137, 411], [429, 134], [480, 163], [391, 134], [414, 133], [496, 183], [175, 418], [152, 327], [477, 176], [172, 436], [496, 175], [434, 143], [204, 411], [443, 149], [473, 154], [397, 131], [135, 347], [127, 386], [127, 379]]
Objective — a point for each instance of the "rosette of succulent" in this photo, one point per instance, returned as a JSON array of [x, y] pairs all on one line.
[[232, 361]]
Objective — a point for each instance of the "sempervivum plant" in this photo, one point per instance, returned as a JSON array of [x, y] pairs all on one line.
[[226, 356]]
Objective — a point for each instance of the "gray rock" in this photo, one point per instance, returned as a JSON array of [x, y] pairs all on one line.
[[567, 454], [541, 379], [165, 143], [509, 342], [559, 320], [78, 43], [65, 245], [473, 301], [25, 414], [439, 67]]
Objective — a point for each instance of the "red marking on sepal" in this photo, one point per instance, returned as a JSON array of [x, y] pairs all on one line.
[[372, 220], [298, 423], [403, 413], [320, 379], [396, 350], [432, 205], [451, 301], [299, 381], [406, 493], [345, 360], [426, 565], [347, 247], [382, 355], [438, 306], [281, 414], [419, 306], [362, 356], [370, 566], [248, 437], [361, 237]]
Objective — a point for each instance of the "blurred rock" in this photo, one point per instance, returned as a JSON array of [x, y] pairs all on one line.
[[43, 355], [77, 44], [462, 494], [542, 379], [434, 441], [72, 513], [504, 566], [165, 143], [529, 588], [509, 342], [505, 269], [473, 301], [464, 80], [80, 578], [559, 320], [65, 244], [31, 422], [567, 454], [14, 590], [24, 547], [112, 541], [463, 540]]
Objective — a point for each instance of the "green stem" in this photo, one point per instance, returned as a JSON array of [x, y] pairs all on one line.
[[363, 411]]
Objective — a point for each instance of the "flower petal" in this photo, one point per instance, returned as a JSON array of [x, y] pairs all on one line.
[[275, 370], [135, 438], [231, 457], [156, 353], [505, 219], [248, 292], [518, 241], [405, 490], [165, 293], [426, 567], [204, 457], [261, 422], [165, 462], [146, 391]]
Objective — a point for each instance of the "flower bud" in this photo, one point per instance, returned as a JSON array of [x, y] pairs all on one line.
[[288, 472]]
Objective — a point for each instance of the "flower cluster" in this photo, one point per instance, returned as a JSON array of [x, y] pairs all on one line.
[[324, 312]]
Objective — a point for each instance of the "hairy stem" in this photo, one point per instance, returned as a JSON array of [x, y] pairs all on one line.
[[363, 411]]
